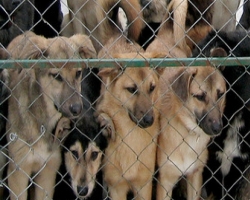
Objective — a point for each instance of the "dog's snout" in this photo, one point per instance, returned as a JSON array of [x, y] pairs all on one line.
[[216, 127], [76, 109], [82, 190], [146, 121]]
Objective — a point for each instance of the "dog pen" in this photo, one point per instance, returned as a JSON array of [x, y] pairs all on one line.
[[229, 181]]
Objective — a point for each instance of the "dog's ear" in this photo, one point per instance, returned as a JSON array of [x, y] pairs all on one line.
[[4, 54], [159, 70], [218, 52], [181, 82], [86, 52], [37, 53], [107, 125], [110, 73]]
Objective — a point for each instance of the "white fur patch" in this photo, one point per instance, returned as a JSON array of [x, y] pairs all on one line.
[[231, 146]]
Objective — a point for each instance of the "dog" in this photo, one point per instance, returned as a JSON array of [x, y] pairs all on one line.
[[82, 154], [40, 97], [229, 152], [81, 20], [132, 92], [182, 27], [192, 104]]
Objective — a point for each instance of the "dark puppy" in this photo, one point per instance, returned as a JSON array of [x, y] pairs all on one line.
[[82, 153], [229, 153]]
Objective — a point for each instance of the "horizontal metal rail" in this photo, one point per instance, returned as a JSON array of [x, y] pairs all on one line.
[[103, 63]]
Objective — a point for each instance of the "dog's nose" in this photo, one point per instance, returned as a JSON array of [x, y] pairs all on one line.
[[76, 109], [146, 121], [216, 127], [82, 190]]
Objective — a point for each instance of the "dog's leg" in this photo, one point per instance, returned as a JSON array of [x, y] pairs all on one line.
[[144, 192], [168, 176], [194, 185], [119, 190], [18, 179], [46, 179]]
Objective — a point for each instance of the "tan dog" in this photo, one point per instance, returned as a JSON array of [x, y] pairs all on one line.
[[129, 100], [86, 16], [183, 27], [192, 105], [39, 98]]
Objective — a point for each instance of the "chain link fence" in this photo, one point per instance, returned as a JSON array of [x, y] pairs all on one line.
[[124, 99]]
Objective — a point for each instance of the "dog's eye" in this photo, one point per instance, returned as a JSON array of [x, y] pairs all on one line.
[[94, 155], [220, 94], [78, 74], [151, 89], [75, 154], [200, 97], [132, 90], [57, 76]]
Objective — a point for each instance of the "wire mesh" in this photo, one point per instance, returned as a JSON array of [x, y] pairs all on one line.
[[124, 99]]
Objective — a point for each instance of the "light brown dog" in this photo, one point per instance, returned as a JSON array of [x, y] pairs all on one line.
[[128, 96], [39, 98], [87, 16], [128, 99], [191, 110]]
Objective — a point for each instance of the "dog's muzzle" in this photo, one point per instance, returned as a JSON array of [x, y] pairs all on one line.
[[210, 121], [76, 109], [144, 122], [82, 190], [211, 126]]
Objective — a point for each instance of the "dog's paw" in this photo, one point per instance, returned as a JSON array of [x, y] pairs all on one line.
[[107, 125], [62, 129]]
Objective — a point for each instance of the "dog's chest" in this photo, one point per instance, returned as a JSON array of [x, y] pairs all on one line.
[[188, 153]]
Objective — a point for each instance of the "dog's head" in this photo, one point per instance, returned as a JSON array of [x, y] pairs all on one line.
[[58, 83], [83, 153], [134, 89], [237, 78], [62, 86], [201, 91]]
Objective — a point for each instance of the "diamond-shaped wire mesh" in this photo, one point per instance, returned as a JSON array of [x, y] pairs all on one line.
[[124, 99]]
